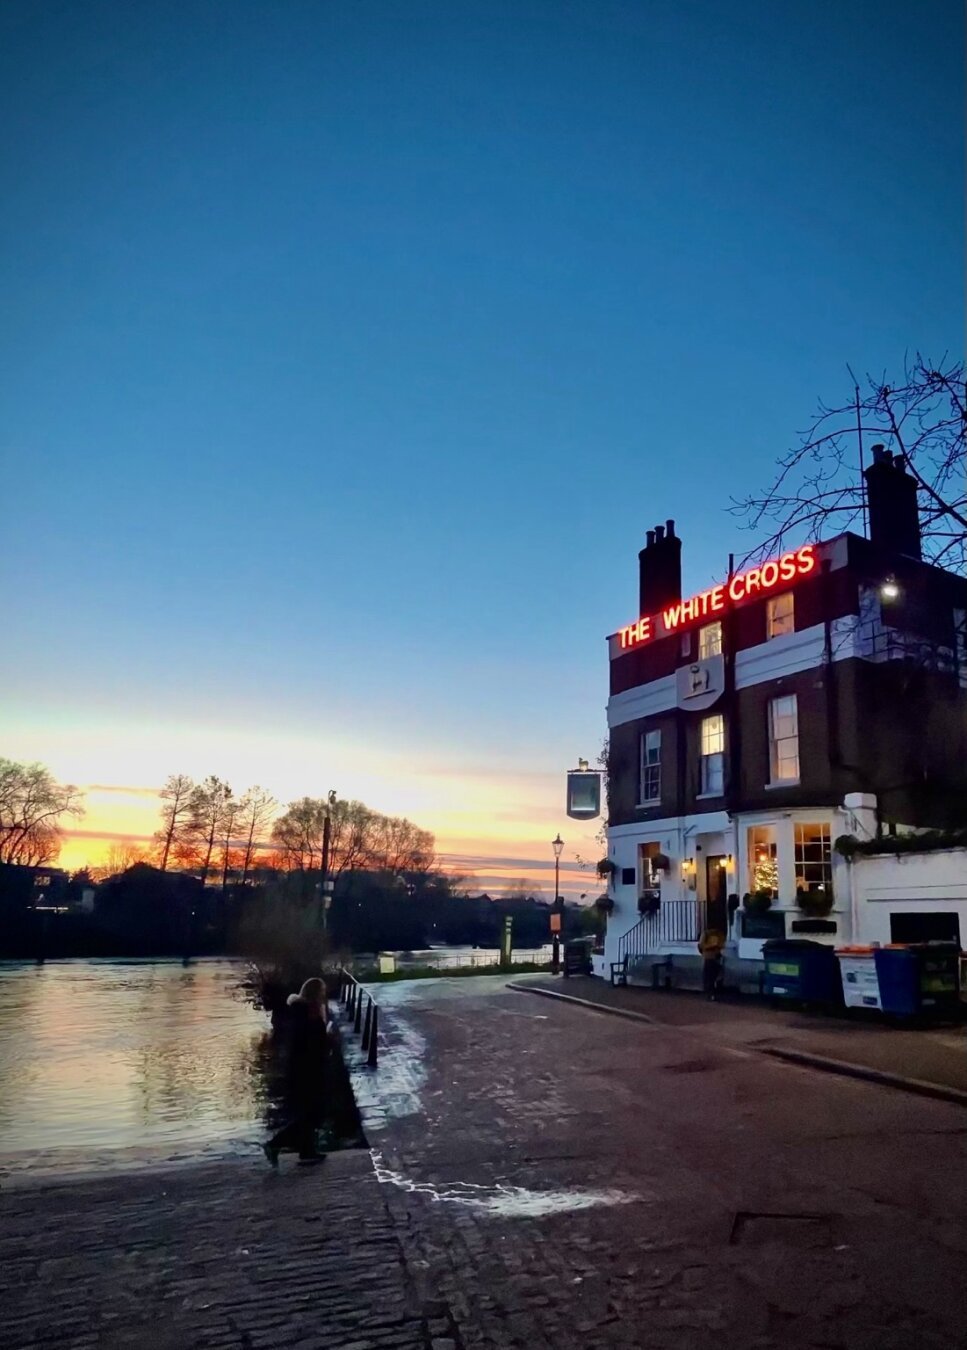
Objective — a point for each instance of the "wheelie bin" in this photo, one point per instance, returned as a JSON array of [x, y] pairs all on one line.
[[801, 971], [920, 978]]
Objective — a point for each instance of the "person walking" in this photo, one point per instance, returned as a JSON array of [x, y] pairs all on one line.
[[306, 1072], [711, 945]]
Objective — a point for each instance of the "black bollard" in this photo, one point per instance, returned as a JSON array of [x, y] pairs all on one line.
[[366, 1024], [371, 1058], [358, 1019]]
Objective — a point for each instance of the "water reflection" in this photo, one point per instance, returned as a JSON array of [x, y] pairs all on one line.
[[108, 1056]]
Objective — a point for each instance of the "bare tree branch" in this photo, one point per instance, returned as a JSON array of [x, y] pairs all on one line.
[[818, 487]]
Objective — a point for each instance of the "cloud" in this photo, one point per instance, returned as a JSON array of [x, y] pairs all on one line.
[[122, 789], [115, 836]]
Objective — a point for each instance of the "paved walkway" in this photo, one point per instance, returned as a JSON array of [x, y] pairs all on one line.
[[215, 1255], [930, 1056], [540, 1177], [574, 1181]]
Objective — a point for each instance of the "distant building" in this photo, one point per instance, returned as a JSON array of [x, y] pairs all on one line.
[[39, 888], [820, 694]]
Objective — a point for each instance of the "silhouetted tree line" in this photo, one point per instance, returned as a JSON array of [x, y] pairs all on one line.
[[144, 911], [233, 874]]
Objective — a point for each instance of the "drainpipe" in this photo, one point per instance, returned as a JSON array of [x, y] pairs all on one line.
[[854, 907]]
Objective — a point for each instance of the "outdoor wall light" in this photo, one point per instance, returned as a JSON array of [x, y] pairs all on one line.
[[889, 590]]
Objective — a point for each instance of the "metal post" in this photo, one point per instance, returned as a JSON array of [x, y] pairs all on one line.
[[324, 883], [358, 1009], [367, 1023], [371, 1059], [556, 940]]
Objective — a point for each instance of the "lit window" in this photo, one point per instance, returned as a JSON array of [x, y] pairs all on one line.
[[814, 859], [650, 767], [779, 616], [784, 739], [709, 641], [713, 753], [763, 860], [649, 877]]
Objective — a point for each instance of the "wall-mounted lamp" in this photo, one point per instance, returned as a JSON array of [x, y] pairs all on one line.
[[889, 590]]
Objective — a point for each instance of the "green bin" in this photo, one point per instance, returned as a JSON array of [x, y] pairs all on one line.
[[801, 971]]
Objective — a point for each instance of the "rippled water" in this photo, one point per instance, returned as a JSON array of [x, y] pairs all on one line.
[[105, 1061]]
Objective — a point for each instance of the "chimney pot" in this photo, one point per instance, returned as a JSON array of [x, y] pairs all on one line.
[[891, 495], [660, 569], [649, 539]]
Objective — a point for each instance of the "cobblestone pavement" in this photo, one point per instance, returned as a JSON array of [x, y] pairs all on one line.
[[869, 1041], [565, 1178], [540, 1176], [216, 1255]]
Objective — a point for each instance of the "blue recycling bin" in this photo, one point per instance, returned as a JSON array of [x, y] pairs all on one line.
[[801, 971], [919, 978]]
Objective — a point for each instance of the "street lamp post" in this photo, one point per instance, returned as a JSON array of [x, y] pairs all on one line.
[[327, 885], [557, 845]]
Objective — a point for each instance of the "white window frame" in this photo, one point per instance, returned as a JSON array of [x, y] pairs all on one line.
[[648, 765], [802, 865], [784, 747], [712, 756], [780, 615], [710, 640]]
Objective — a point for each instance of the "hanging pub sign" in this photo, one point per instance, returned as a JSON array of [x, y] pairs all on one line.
[[583, 792]]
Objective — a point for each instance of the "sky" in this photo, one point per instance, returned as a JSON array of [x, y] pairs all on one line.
[[349, 348]]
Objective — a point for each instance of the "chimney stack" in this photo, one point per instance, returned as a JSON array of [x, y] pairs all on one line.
[[891, 495], [660, 569]]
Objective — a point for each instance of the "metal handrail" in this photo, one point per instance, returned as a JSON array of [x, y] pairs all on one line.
[[675, 921], [352, 995]]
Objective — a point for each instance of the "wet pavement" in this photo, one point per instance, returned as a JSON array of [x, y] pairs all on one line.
[[662, 1187], [539, 1176], [867, 1040]]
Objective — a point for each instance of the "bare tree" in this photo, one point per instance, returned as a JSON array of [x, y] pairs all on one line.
[[362, 840], [176, 814], [297, 834], [819, 488], [231, 812], [209, 801], [396, 845], [32, 804], [257, 809], [119, 858]]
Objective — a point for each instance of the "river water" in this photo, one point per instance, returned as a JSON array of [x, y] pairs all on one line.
[[104, 1063]]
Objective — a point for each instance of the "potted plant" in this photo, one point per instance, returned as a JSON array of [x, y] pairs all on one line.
[[816, 904], [604, 904], [649, 902], [606, 868], [757, 901]]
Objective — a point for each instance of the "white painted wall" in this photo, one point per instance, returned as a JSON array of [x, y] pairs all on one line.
[[906, 883], [676, 837]]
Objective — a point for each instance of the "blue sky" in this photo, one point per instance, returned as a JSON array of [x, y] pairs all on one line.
[[350, 349]]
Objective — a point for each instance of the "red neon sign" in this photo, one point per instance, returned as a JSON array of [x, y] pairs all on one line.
[[707, 604]]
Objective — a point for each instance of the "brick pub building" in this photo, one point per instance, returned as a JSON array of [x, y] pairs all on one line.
[[820, 694]]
